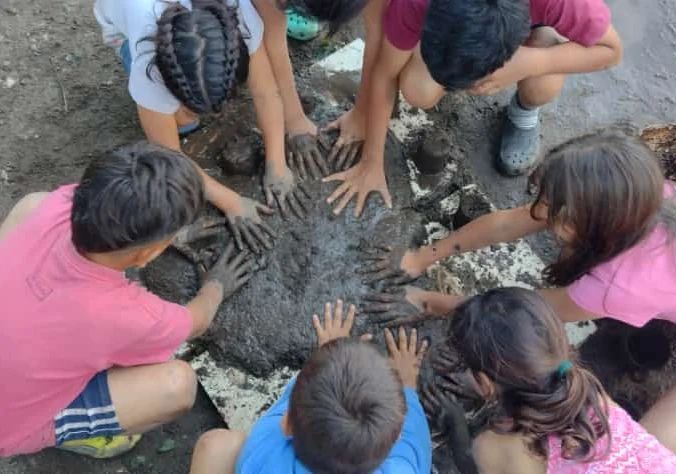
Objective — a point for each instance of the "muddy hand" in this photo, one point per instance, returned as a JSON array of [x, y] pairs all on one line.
[[248, 227], [347, 147], [385, 263], [232, 270], [305, 154], [394, 309], [359, 182], [447, 416], [282, 190], [202, 228]]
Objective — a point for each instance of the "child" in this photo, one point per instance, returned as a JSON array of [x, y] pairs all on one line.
[[552, 415], [349, 410], [605, 197], [186, 58], [427, 47], [86, 352]]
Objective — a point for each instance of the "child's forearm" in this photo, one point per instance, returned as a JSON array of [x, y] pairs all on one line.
[[203, 307], [572, 58], [372, 16], [274, 38], [489, 229], [381, 104], [269, 107]]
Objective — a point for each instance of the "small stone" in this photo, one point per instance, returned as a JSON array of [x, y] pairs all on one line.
[[166, 446], [138, 462], [9, 82]]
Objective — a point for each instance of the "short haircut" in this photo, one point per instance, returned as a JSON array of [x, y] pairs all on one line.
[[336, 12], [134, 195], [347, 409], [463, 41]]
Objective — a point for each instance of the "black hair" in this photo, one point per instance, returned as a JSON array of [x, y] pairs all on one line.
[[515, 338], [336, 13], [200, 54], [463, 41], [134, 195], [347, 409]]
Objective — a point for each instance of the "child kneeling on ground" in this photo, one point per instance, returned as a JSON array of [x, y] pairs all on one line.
[[349, 410], [87, 352]]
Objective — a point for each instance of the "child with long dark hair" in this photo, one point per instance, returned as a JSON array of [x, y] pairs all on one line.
[[184, 59], [552, 415], [606, 199]]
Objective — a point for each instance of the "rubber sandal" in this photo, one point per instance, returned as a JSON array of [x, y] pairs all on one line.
[[187, 129], [101, 447], [301, 27], [519, 149]]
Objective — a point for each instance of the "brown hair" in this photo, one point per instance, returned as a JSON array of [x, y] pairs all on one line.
[[347, 409], [514, 337], [608, 187]]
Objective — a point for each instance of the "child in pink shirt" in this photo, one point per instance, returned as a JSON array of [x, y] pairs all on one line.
[[85, 350], [552, 415], [428, 47]]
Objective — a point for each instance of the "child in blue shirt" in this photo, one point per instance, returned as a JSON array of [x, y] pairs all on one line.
[[349, 410]]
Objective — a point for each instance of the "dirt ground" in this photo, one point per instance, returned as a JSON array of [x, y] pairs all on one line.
[[63, 97]]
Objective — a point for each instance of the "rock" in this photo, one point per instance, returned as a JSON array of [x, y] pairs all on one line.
[[167, 445]]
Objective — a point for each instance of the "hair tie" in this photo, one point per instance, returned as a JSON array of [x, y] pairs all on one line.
[[564, 367]]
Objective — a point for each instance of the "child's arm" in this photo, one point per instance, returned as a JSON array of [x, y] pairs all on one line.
[[369, 174], [489, 229], [227, 275], [565, 58], [162, 130], [352, 124], [567, 310], [21, 210]]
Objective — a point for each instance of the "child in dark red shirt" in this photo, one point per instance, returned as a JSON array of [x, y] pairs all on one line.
[[427, 47]]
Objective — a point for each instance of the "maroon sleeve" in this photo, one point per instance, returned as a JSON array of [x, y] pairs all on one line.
[[581, 21], [403, 22]]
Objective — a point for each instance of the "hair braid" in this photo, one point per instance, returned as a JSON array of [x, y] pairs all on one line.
[[199, 52]]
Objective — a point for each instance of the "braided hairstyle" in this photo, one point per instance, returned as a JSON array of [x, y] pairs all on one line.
[[200, 54]]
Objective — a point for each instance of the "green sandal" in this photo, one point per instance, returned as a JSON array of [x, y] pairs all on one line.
[[301, 27]]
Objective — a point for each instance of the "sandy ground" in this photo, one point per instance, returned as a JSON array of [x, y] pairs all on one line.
[[63, 96]]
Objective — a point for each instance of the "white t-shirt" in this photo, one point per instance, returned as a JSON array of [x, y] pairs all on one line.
[[134, 20]]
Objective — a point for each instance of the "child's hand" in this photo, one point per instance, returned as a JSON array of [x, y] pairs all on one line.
[[392, 264], [247, 226], [305, 154], [406, 357], [334, 325], [281, 188], [405, 306], [519, 67], [345, 151], [230, 273], [360, 181]]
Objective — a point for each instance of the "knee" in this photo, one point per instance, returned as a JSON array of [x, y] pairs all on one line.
[[181, 385], [220, 442], [418, 94], [543, 37]]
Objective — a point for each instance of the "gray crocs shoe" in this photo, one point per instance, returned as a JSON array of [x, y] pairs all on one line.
[[518, 149]]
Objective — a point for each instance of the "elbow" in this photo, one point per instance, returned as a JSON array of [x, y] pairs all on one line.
[[616, 56]]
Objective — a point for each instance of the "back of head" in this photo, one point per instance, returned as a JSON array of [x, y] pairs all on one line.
[[132, 196], [463, 41], [336, 12], [200, 53], [514, 337], [347, 409], [608, 188]]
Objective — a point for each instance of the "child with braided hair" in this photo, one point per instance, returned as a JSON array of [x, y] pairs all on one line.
[[185, 58]]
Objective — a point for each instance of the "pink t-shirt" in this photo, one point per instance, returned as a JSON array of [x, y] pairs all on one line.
[[636, 286], [632, 451], [64, 319], [581, 21]]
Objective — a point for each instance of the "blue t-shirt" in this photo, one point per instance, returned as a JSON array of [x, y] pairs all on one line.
[[267, 450]]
